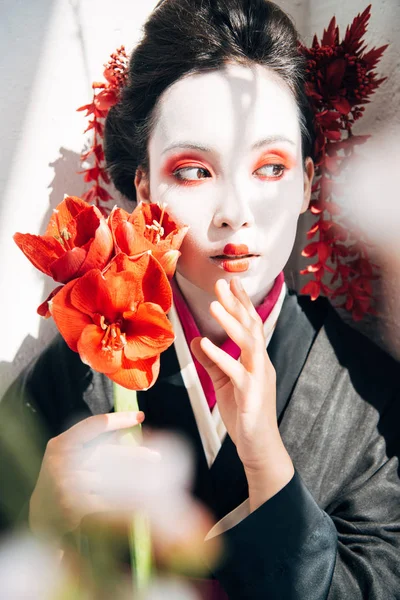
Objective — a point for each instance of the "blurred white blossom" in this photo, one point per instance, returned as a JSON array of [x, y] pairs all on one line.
[[29, 569]]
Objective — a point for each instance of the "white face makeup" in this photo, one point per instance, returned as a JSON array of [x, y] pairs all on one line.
[[225, 155]]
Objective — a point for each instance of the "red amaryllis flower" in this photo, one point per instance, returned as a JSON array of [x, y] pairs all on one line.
[[116, 319], [76, 240], [149, 227]]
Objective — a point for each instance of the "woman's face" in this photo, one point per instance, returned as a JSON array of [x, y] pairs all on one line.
[[225, 155]]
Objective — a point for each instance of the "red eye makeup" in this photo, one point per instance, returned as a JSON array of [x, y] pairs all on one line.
[[274, 158], [183, 162]]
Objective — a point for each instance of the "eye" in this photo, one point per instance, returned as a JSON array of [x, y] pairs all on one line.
[[271, 171], [191, 173]]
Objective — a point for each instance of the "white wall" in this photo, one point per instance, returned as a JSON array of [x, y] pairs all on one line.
[[51, 51]]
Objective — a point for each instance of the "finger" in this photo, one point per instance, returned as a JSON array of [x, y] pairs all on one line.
[[218, 377], [90, 428], [237, 288], [251, 346], [226, 295], [103, 457], [199, 353], [219, 361], [83, 504], [84, 482]]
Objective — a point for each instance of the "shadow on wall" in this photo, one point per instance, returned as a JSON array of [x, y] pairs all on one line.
[[24, 26], [65, 180]]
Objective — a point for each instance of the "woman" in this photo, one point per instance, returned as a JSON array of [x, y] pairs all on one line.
[[296, 442]]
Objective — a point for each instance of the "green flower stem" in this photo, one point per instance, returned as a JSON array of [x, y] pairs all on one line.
[[139, 536]]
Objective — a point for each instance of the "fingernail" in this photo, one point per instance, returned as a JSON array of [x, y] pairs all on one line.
[[140, 416]]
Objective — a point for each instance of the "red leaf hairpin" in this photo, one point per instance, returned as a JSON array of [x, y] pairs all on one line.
[[341, 79], [105, 95]]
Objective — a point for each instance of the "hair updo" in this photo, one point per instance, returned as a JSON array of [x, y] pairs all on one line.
[[183, 37]]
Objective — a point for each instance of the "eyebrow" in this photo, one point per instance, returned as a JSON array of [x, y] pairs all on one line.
[[272, 139]]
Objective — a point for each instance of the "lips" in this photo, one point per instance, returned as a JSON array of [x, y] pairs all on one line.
[[235, 251]]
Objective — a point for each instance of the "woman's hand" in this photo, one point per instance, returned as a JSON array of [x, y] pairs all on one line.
[[245, 390], [70, 480]]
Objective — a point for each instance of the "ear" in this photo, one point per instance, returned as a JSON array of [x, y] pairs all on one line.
[[142, 185], [308, 179]]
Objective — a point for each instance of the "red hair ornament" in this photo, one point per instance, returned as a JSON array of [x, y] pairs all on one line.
[[341, 77]]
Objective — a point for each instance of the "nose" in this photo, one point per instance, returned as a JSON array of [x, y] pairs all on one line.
[[233, 209]]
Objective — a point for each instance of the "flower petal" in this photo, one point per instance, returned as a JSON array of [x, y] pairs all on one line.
[[65, 212], [136, 265], [67, 266], [148, 332], [93, 354], [105, 99], [175, 238], [70, 321], [137, 375], [101, 245], [155, 284], [168, 261], [109, 296], [43, 309], [117, 216], [129, 240], [86, 223], [91, 295], [151, 282], [137, 218], [41, 250]]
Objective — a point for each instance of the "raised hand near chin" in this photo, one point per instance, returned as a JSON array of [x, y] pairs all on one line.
[[245, 390]]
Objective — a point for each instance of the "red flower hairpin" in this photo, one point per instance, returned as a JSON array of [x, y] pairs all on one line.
[[105, 95]]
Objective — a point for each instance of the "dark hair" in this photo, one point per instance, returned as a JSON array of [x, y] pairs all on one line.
[[182, 37]]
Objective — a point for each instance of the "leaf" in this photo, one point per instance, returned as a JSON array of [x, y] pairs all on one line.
[[312, 288], [90, 126], [88, 107], [316, 208], [314, 229], [96, 150], [104, 176], [90, 195], [331, 35], [328, 119], [373, 56], [342, 105], [103, 194], [335, 72], [324, 251], [355, 31], [333, 135], [310, 250]]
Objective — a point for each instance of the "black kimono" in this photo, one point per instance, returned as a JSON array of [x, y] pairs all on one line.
[[333, 532]]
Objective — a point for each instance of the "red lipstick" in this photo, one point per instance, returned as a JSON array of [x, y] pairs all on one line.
[[236, 249], [236, 265]]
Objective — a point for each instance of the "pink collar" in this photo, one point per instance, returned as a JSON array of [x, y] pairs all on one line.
[[191, 330]]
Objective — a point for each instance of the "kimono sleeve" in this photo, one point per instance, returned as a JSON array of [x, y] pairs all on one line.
[[286, 549], [34, 409], [367, 518], [293, 549]]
